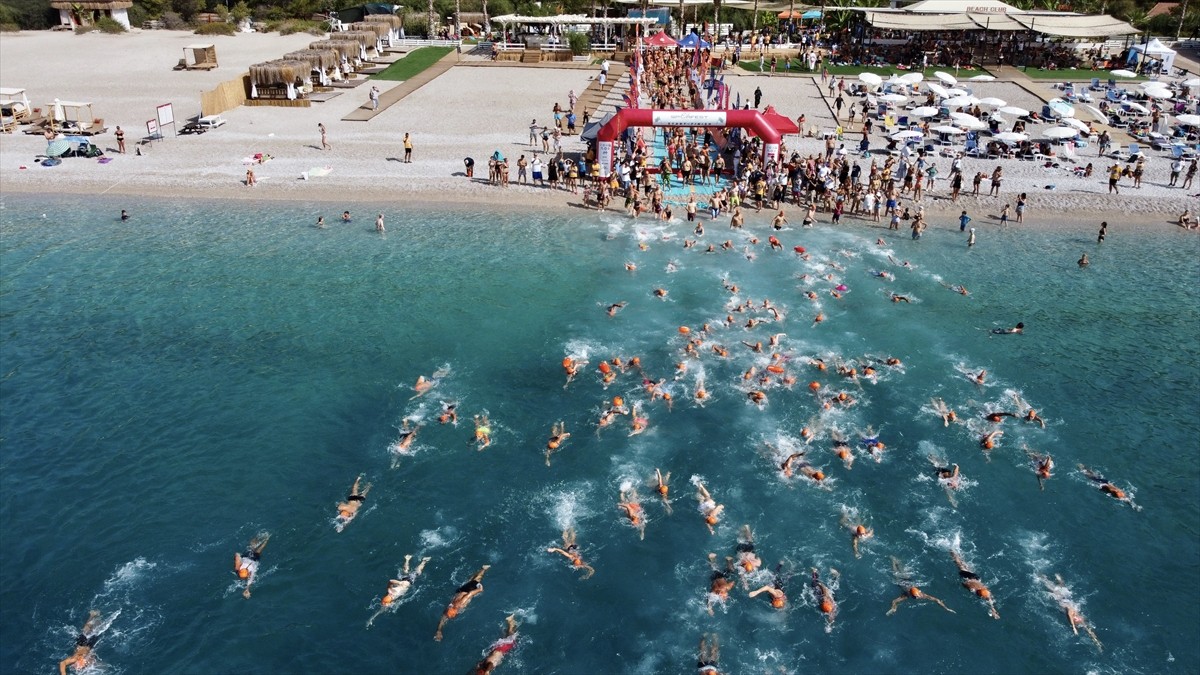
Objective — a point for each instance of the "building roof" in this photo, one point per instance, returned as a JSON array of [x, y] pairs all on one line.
[[93, 4], [1161, 8]]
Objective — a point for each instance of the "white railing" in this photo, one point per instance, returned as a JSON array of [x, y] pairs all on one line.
[[414, 42]]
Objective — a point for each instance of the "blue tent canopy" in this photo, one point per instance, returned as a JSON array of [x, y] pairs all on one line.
[[693, 41], [811, 14]]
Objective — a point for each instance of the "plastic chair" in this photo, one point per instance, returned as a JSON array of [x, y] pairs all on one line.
[[1134, 151], [1096, 84]]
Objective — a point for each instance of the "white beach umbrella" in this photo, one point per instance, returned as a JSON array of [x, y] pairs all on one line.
[[924, 111], [912, 78], [938, 89], [946, 77], [896, 81], [893, 98], [1072, 122], [1011, 137], [1060, 132], [1136, 107], [993, 101], [1014, 111], [981, 78], [870, 79], [1158, 92], [58, 113], [1194, 82], [903, 135], [949, 130], [1096, 113], [971, 124], [958, 91], [964, 117], [1190, 120], [960, 101], [1122, 73]]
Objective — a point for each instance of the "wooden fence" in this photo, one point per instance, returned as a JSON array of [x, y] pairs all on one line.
[[227, 96]]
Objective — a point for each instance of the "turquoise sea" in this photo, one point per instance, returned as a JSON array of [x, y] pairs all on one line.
[[174, 384]]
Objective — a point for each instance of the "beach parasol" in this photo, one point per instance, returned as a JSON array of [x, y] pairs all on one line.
[[938, 89], [1194, 82], [1072, 122], [1061, 108], [870, 79], [1014, 110], [58, 147], [981, 78], [896, 81], [971, 124], [1136, 107], [946, 77], [949, 130], [903, 135], [1096, 112], [993, 101], [966, 118], [912, 78], [57, 113], [1122, 73], [1190, 120], [960, 101], [958, 91], [924, 111], [893, 98], [1060, 132], [1011, 137], [1158, 92]]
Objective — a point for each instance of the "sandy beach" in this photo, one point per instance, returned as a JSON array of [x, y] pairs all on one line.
[[466, 112]]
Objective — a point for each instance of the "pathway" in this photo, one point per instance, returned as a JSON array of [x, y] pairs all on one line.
[[397, 93]]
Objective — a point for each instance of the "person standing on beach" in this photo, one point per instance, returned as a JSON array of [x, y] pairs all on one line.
[[522, 173], [407, 149], [1176, 168], [374, 96], [1004, 215], [1191, 174], [1114, 177], [533, 133], [324, 138], [250, 182], [1021, 200], [997, 178], [121, 141]]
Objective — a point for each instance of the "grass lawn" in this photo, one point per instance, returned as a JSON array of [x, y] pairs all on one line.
[[852, 71], [1075, 75], [416, 61]]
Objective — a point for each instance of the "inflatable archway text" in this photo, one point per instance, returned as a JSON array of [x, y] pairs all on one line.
[[641, 117]]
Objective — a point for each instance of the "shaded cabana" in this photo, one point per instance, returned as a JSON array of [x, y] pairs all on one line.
[[280, 79], [199, 57], [349, 51], [368, 41], [381, 31], [393, 22], [325, 64], [71, 13]]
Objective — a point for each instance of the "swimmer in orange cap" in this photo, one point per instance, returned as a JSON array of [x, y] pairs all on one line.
[[245, 565], [483, 432], [1042, 466], [1058, 590], [858, 532], [708, 655], [841, 448], [639, 422], [558, 434], [997, 417], [398, 588], [971, 582], [746, 561], [423, 386], [499, 649], [774, 590], [824, 596], [449, 414], [943, 411], [1030, 415], [909, 590], [85, 642], [633, 511], [721, 582], [571, 367], [662, 488], [786, 465], [709, 508], [988, 440], [1106, 486], [462, 598], [347, 510], [570, 550]]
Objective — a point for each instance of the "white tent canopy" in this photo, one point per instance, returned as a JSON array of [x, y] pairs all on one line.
[[1157, 50], [992, 15], [963, 6]]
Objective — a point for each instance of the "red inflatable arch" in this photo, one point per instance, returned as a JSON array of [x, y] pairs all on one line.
[[641, 117]]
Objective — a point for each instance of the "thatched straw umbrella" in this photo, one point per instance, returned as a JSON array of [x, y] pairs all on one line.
[[326, 62], [349, 50], [379, 29], [368, 40], [390, 19], [279, 72]]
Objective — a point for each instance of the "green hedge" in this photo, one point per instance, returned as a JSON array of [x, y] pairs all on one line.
[[216, 28]]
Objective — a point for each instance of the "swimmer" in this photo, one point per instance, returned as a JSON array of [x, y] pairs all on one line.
[[1083, 262], [957, 288], [978, 378], [320, 221], [423, 386], [758, 398], [708, 655], [483, 432], [988, 440], [871, 443], [615, 307], [497, 651], [1042, 466], [245, 566], [1030, 415], [1015, 330], [606, 373], [1106, 486], [774, 590], [720, 583], [747, 562], [449, 414], [570, 550], [407, 436], [660, 293], [639, 422], [709, 508], [778, 222], [900, 298], [345, 216], [571, 368], [841, 448], [629, 266], [858, 532], [883, 275], [662, 488], [774, 242], [348, 509], [462, 598], [633, 511], [943, 411], [825, 600], [701, 394], [125, 216], [398, 588], [786, 466], [949, 477], [85, 642], [609, 414], [909, 590], [558, 434], [1058, 590], [819, 364], [971, 582], [997, 417]]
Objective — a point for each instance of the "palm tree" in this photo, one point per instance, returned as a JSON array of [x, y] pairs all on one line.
[[431, 22], [458, 18], [754, 23], [716, 19]]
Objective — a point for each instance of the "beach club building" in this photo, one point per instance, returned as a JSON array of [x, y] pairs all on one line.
[[86, 13]]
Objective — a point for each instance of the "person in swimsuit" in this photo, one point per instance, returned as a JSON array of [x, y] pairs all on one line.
[[571, 367], [633, 511], [745, 559], [462, 598], [997, 417], [708, 655], [720, 583], [1058, 590], [1030, 415], [1042, 466], [709, 508], [407, 436], [943, 411], [398, 588], [1083, 262], [948, 476], [1015, 330], [900, 298], [858, 532], [615, 307], [85, 642], [449, 414], [570, 550], [423, 386], [774, 590], [662, 488], [348, 509], [824, 595], [909, 590], [245, 565], [971, 582], [483, 432], [1106, 486], [558, 434], [988, 440], [499, 649]]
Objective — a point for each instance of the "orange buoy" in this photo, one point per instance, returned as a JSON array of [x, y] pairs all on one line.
[[814, 385], [604, 367], [775, 369], [684, 330]]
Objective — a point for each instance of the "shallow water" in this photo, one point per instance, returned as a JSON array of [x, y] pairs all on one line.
[[174, 384]]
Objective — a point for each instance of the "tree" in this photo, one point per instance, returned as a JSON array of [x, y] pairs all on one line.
[[457, 19], [432, 25]]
